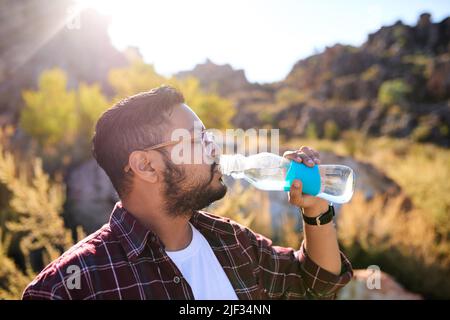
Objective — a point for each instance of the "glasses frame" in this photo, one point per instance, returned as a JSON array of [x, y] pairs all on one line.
[[205, 134]]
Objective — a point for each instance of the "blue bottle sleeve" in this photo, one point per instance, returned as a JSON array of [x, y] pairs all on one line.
[[310, 177]]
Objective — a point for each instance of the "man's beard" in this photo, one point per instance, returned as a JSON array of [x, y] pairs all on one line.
[[182, 197]]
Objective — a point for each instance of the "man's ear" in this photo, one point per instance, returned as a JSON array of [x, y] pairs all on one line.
[[145, 164]]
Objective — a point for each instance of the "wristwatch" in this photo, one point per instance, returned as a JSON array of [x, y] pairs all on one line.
[[321, 219]]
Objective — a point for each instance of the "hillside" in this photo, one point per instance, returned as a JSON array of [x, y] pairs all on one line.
[[397, 84]]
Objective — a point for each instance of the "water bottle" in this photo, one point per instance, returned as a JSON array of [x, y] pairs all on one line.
[[271, 172]]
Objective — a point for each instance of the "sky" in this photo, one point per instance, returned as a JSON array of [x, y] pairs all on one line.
[[263, 37]]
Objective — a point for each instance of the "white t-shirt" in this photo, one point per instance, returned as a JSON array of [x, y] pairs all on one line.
[[200, 267]]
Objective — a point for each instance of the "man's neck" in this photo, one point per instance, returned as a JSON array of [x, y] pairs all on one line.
[[174, 232]]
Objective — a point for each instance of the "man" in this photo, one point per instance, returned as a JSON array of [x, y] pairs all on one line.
[[159, 245]]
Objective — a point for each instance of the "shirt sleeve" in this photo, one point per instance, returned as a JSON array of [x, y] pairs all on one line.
[[45, 287], [288, 274], [58, 282], [320, 283]]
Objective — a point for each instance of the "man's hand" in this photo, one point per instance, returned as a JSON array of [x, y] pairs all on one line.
[[320, 241], [313, 206]]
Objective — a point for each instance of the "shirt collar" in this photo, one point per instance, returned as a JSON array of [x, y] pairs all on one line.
[[130, 232], [208, 222], [133, 236]]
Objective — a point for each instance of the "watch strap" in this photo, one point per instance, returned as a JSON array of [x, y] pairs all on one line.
[[321, 219]]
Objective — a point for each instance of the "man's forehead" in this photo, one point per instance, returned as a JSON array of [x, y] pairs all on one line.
[[185, 118]]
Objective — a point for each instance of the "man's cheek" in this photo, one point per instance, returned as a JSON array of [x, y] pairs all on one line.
[[197, 172]]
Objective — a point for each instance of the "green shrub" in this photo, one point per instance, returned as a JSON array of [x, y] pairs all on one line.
[[331, 130], [311, 131], [421, 133], [393, 92], [49, 114], [371, 73], [61, 121]]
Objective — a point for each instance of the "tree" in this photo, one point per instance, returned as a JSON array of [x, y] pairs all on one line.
[[61, 120], [91, 103], [49, 114], [215, 111], [135, 78]]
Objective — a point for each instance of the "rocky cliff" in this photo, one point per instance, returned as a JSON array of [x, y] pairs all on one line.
[[397, 83]]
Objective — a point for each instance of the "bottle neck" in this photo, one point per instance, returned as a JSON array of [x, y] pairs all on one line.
[[232, 163]]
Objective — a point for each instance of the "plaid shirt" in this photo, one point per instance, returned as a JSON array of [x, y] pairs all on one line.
[[124, 260]]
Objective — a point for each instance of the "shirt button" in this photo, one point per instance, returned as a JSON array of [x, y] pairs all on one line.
[[176, 279]]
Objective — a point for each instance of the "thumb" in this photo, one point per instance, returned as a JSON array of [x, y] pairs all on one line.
[[295, 194]]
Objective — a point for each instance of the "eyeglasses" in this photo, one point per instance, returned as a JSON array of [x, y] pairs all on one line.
[[207, 140]]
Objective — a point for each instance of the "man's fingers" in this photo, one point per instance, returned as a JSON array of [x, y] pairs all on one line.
[[299, 156], [296, 156], [292, 155], [311, 153], [305, 155], [316, 156]]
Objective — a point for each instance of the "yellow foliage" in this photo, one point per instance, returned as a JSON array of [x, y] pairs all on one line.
[[138, 77], [35, 221], [60, 120], [215, 111], [420, 169], [402, 241], [413, 245], [393, 92], [49, 114], [12, 280], [37, 203], [91, 104], [423, 172]]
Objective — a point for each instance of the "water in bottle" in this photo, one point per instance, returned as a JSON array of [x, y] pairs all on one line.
[[268, 171]]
